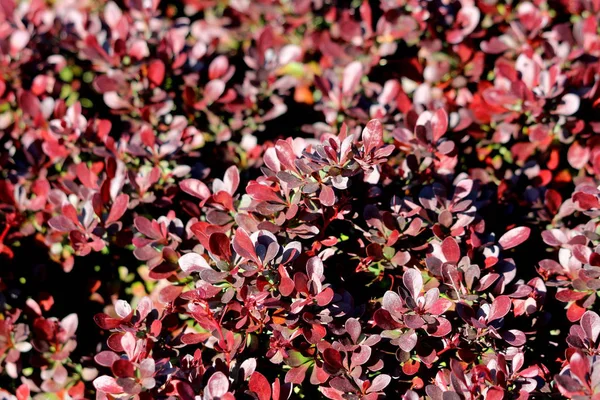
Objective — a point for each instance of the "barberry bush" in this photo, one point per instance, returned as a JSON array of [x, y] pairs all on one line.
[[299, 199]]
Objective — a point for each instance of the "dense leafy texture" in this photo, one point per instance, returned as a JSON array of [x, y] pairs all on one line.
[[299, 199]]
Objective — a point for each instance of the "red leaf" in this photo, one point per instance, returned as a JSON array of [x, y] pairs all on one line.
[[285, 154], [494, 393], [220, 246], [243, 246], [333, 359], [324, 297], [30, 104], [450, 249], [439, 123], [86, 176], [575, 312], [123, 368], [118, 209], [260, 385], [156, 72], [579, 366], [144, 226], [500, 307]]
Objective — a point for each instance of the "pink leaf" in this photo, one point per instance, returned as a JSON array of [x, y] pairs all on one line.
[[107, 384], [327, 196], [514, 237], [392, 302], [285, 154], [578, 156], [193, 262], [296, 375], [115, 102], [213, 90], [372, 135], [62, 224], [379, 383], [146, 227], [195, 188], [231, 179], [413, 281], [579, 366], [569, 104], [352, 76], [217, 385], [218, 67], [106, 358], [353, 328]]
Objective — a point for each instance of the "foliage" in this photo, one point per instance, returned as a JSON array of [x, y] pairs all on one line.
[[299, 199]]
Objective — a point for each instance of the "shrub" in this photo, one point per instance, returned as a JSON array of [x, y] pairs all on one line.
[[273, 199]]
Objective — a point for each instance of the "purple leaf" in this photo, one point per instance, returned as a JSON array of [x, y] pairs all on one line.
[[392, 303], [590, 323], [514, 337]]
